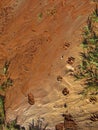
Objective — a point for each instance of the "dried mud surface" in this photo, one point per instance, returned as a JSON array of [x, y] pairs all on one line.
[[37, 37]]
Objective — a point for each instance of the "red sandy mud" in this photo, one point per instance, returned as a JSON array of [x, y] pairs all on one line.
[[32, 37]]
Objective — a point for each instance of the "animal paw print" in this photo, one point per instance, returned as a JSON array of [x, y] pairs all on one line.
[[70, 60], [31, 99], [66, 45], [65, 91]]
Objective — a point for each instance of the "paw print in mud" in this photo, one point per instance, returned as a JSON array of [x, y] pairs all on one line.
[[31, 100], [66, 46]]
